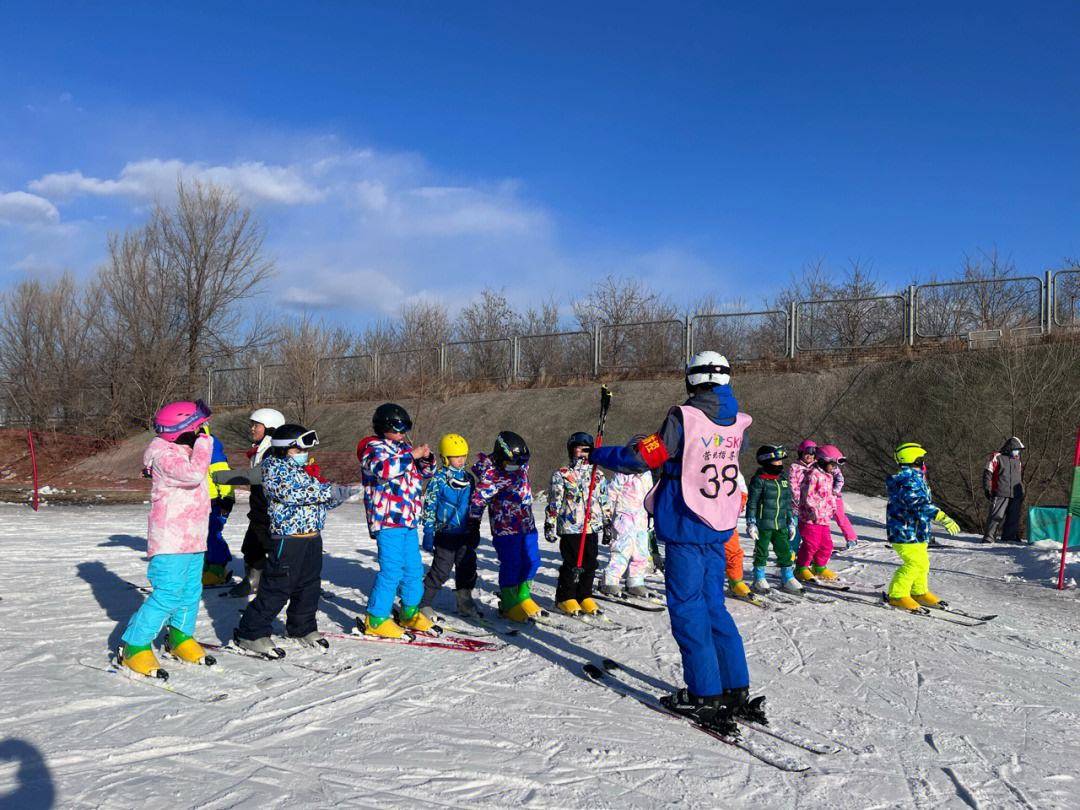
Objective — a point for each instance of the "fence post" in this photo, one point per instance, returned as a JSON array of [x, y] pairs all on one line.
[[688, 339], [909, 322], [793, 329], [596, 350], [259, 386], [515, 358], [1048, 297], [210, 386], [442, 360], [375, 369]]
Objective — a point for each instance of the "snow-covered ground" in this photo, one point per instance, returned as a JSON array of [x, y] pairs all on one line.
[[928, 714]]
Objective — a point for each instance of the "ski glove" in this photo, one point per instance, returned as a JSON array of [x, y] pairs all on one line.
[[752, 531], [224, 506], [428, 543], [342, 493], [551, 536], [951, 526]]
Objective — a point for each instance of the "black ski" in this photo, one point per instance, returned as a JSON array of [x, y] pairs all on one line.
[[922, 611], [648, 607], [766, 753]]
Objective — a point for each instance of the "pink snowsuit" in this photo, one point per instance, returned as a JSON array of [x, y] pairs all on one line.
[[179, 498], [630, 548], [842, 521], [817, 507]]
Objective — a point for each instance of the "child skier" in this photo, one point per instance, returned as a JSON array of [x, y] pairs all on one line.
[[907, 526], [851, 539], [222, 500], [733, 551], [177, 459], [448, 531], [393, 474], [502, 487], [796, 476], [297, 504], [695, 507], [564, 520], [631, 554], [768, 518], [817, 508]]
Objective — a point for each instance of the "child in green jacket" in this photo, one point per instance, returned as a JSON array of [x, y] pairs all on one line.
[[768, 518]]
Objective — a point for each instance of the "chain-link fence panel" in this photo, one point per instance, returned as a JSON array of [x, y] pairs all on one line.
[[957, 308], [473, 360], [841, 324], [741, 336], [554, 356], [644, 346], [342, 379], [234, 386], [407, 369], [1067, 298]]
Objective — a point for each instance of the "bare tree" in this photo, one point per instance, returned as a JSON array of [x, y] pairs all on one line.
[[485, 323], [619, 305]]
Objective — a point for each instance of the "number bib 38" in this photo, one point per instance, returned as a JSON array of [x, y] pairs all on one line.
[[710, 467]]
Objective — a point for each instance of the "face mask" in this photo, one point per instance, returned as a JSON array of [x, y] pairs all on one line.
[[1014, 453], [299, 459]]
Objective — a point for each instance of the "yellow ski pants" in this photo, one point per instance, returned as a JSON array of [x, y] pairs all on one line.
[[911, 578]]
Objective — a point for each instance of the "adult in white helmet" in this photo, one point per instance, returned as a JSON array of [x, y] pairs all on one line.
[[264, 421]]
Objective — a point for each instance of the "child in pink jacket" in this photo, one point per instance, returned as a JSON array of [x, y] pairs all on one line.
[[846, 529], [817, 508], [177, 461]]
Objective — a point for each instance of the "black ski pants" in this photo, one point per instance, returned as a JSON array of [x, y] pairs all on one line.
[[453, 552], [568, 545], [293, 574]]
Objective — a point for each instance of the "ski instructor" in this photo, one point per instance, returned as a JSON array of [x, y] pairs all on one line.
[[695, 506]]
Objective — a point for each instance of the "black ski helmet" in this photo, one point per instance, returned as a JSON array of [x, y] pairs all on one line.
[[290, 435], [510, 450], [771, 454], [391, 418], [579, 439]]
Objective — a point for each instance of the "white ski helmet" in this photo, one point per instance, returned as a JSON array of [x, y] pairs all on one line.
[[268, 418], [708, 368]]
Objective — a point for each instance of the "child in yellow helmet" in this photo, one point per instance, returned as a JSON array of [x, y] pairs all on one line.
[[910, 512], [448, 531]]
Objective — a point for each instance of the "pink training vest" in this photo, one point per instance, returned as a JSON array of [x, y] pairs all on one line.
[[710, 467]]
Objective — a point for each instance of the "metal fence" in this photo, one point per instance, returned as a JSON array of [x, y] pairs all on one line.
[[979, 312]]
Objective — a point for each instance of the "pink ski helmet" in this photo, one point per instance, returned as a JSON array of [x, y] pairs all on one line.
[[829, 452], [808, 446], [177, 418]]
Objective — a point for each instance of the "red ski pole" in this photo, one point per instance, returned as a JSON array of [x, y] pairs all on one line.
[[605, 403], [1074, 502], [33, 467]]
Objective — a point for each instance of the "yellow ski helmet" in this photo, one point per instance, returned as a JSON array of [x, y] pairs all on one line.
[[909, 453], [452, 445]]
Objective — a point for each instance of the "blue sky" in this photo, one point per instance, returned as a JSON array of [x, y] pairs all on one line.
[[408, 149]]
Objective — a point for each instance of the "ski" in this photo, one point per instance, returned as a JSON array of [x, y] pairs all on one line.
[[766, 753], [791, 738], [145, 589], [412, 640], [827, 585], [648, 607], [922, 611], [601, 621], [232, 649], [944, 607], [755, 600], [114, 668]]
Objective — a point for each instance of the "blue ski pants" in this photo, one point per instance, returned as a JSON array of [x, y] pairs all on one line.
[[217, 550], [400, 570], [176, 580], [712, 650], [519, 558]]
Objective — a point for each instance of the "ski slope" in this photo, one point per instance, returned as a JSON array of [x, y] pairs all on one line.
[[927, 714]]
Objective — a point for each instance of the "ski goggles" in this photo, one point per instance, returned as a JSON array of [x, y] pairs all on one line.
[[305, 441], [201, 414], [511, 467], [709, 368]]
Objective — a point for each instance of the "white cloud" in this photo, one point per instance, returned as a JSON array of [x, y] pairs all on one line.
[[20, 208], [146, 179]]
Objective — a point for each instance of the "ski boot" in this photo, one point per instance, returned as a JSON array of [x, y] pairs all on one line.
[[429, 613], [761, 585], [527, 603], [654, 552], [638, 592], [929, 599], [710, 712], [804, 574], [823, 572], [184, 647], [739, 704], [738, 589], [466, 605], [511, 606], [378, 626], [313, 639], [903, 602], [215, 575], [248, 585], [569, 606], [589, 607], [260, 646], [788, 581], [412, 618], [611, 589], [140, 659]]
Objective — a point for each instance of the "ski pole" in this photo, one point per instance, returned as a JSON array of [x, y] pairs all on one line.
[[1074, 494], [605, 403]]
